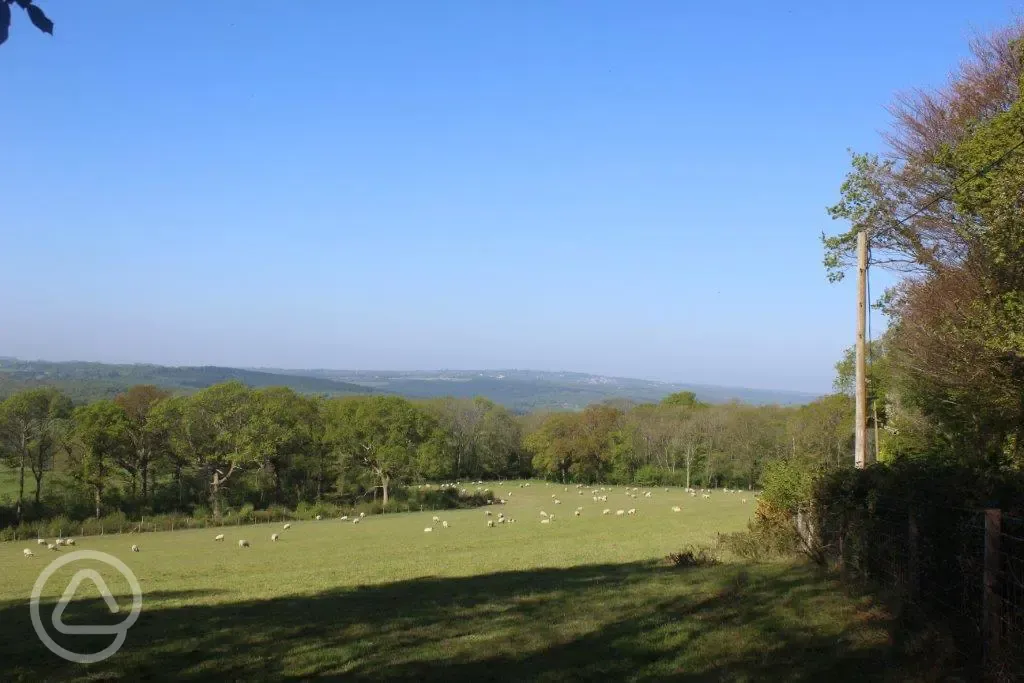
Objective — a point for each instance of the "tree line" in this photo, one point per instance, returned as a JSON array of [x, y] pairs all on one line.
[[150, 451]]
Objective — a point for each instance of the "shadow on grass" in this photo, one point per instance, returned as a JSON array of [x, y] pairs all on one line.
[[636, 621]]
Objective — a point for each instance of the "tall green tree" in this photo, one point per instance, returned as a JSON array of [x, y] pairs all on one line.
[[101, 437], [149, 440], [31, 427], [382, 434]]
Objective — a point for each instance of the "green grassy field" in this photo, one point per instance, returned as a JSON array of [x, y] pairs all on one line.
[[582, 598]]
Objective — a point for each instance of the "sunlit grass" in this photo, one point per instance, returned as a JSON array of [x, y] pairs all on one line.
[[583, 597]]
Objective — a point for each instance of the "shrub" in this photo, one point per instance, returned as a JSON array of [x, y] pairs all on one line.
[[693, 556]]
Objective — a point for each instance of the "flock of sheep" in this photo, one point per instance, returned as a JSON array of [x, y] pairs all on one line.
[[597, 495]]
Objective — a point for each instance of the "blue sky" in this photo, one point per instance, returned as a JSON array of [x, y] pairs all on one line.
[[627, 188]]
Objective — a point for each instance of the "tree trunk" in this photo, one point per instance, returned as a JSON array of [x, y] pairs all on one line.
[[21, 487], [38, 476], [144, 471], [98, 490], [385, 481], [177, 480], [215, 495]]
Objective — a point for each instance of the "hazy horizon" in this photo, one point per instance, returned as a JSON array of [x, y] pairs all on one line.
[[563, 187]]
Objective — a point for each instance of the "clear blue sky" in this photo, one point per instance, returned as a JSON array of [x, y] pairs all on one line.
[[628, 188]]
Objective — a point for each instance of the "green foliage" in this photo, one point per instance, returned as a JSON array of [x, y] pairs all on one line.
[[786, 487]]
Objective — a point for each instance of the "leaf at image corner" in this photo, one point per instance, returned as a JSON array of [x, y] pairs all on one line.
[[5, 21], [39, 19]]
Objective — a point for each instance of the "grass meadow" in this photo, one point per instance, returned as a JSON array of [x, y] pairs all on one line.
[[581, 598]]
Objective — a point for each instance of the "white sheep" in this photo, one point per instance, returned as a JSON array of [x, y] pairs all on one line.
[[28, 553], [545, 521], [286, 527], [344, 518], [436, 518], [706, 496], [631, 511], [619, 513], [362, 514], [676, 508], [357, 520], [219, 537], [242, 543], [318, 518], [487, 513], [606, 511], [51, 546], [647, 495], [743, 500], [41, 541], [543, 514], [135, 548], [577, 513], [69, 541], [428, 529], [557, 502], [490, 523], [445, 524], [274, 537]]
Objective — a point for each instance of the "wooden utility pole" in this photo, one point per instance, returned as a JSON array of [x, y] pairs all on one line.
[[860, 448]]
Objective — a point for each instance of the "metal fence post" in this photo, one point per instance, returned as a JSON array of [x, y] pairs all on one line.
[[992, 601]]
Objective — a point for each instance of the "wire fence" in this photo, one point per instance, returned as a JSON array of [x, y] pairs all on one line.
[[963, 567]]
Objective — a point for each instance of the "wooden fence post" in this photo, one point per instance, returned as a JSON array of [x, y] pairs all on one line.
[[913, 563], [992, 600]]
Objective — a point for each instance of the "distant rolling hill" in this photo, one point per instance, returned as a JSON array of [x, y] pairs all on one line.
[[519, 390], [87, 381], [525, 390]]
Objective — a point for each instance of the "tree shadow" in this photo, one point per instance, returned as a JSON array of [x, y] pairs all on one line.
[[612, 622]]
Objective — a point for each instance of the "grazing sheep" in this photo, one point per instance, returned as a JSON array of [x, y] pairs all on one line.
[[557, 502], [69, 541], [606, 511], [543, 514], [274, 537], [445, 524], [318, 518], [428, 529], [693, 493], [242, 543], [436, 518], [343, 518], [551, 518], [502, 520], [619, 513], [545, 521], [706, 496], [631, 511], [666, 490], [135, 548], [362, 514], [676, 508], [577, 513], [527, 484], [219, 537], [356, 520], [51, 546], [647, 495], [490, 523], [41, 541], [28, 553], [286, 527], [743, 500], [487, 512]]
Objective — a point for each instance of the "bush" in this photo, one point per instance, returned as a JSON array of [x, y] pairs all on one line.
[[693, 556]]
